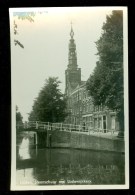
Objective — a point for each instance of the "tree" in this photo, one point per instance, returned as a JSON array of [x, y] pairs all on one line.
[[18, 116], [23, 16], [105, 84], [50, 105]]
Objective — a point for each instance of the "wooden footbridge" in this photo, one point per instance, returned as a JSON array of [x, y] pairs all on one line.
[[48, 134], [38, 126]]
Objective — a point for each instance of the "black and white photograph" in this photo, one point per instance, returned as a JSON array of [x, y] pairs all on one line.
[[69, 89]]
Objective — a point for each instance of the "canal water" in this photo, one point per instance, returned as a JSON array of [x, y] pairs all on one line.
[[57, 166]]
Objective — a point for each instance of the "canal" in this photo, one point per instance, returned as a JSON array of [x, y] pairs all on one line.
[[57, 166]]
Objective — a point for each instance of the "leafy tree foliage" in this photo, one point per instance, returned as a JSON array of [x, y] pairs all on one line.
[[18, 116], [105, 84], [50, 105], [23, 16]]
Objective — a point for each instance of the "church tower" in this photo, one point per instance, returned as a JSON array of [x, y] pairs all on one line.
[[72, 73]]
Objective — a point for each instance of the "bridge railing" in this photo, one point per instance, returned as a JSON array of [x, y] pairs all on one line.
[[65, 127]]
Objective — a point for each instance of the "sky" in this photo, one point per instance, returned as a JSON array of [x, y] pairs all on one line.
[[45, 50]]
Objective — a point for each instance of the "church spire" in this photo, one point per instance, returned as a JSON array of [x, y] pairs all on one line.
[[72, 73], [72, 57], [71, 32]]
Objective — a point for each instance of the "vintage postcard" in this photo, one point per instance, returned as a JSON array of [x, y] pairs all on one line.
[[69, 73]]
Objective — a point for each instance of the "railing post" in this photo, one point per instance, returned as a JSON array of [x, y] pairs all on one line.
[[36, 125], [79, 128], [89, 130], [61, 126], [48, 126], [70, 127], [64, 127]]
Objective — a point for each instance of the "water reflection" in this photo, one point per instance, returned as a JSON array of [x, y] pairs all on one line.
[[24, 176], [101, 169], [68, 166], [80, 167], [24, 149]]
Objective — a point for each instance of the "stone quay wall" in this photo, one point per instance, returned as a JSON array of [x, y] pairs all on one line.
[[77, 140]]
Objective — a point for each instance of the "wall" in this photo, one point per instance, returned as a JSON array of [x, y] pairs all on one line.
[[60, 139], [84, 141]]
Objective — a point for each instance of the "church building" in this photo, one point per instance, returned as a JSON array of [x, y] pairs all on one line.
[[80, 107]]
